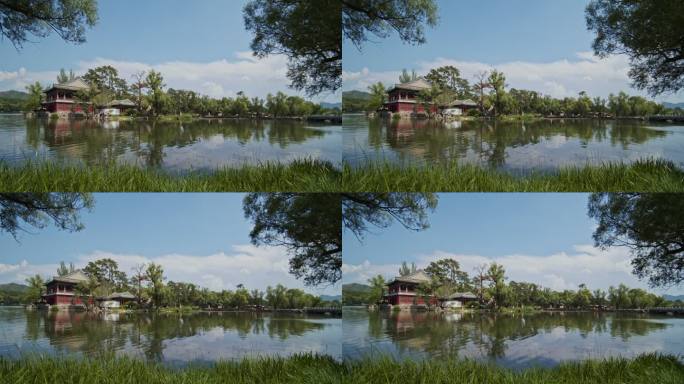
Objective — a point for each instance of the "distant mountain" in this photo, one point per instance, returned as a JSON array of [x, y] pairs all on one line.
[[13, 288], [355, 288], [331, 105], [671, 297], [673, 105], [357, 95], [331, 297], [18, 95]]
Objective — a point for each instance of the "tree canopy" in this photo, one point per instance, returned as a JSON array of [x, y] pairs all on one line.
[[649, 32], [307, 32], [382, 17], [382, 209], [20, 19], [651, 225], [18, 210]]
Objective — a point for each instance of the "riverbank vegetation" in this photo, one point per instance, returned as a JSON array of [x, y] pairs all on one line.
[[151, 98], [494, 99], [147, 284], [297, 176], [490, 286], [642, 176], [646, 368]]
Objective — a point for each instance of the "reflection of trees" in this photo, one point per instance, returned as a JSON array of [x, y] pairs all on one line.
[[92, 334], [93, 143], [437, 142], [447, 333]]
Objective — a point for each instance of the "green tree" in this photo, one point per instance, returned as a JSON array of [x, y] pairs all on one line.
[[155, 84], [406, 77], [449, 78], [309, 33], [377, 284], [448, 272], [155, 276], [63, 77], [63, 270], [649, 32], [35, 96], [378, 96], [106, 80], [36, 287], [497, 276], [380, 18], [106, 273], [67, 18], [497, 81], [651, 225], [39, 209], [405, 270]]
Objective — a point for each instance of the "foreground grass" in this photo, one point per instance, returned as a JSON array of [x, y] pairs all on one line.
[[641, 176], [298, 176], [651, 368], [296, 369]]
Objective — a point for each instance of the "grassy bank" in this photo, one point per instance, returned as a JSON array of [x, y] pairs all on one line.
[[651, 368], [297, 369], [642, 176], [299, 176]]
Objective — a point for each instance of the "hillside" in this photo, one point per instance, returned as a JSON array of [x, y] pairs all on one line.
[[12, 293], [360, 95], [673, 105], [18, 95], [331, 105], [355, 294], [355, 101], [331, 297], [671, 297], [13, 287]]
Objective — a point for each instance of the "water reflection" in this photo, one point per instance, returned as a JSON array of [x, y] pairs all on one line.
[[167, 337], [517, 146], [200, 144], [510, 340]]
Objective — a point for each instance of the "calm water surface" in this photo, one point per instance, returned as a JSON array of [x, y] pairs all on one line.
[[200, 144], [174, 339], [515, 146], [515, 341]]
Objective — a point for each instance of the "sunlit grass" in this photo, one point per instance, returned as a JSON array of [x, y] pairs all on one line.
[[648, 368], [641, 176], [298, 176]]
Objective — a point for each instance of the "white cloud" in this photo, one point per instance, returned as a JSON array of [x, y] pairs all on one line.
[[557, 78], [587, 264], [226, 77], [255, 267]]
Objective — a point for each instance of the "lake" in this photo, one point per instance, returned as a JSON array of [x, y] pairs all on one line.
[[515, 147], [173, 146], [170, 338], [514, 341]]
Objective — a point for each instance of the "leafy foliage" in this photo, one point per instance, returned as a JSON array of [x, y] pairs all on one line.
[[382, 17], [651, 225], [649, 32], [308, 32], [67, 18], [39, 209]]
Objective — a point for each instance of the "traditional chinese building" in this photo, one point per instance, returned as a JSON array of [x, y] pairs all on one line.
[[403, 98], [115, 300], [403, 290], [61, 290], [61, 98], [458, 107], [457, 300]]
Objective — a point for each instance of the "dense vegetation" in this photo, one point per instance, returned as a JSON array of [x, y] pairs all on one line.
[[147, 284], [12, 101], [494, 98], [493, 291], [12, 294], [148, 92], [641, 176], [648, 368], [299, 176]]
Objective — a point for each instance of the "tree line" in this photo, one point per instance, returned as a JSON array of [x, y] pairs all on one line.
[[489, 284], [490, 91], [148, 92], [148, 286]]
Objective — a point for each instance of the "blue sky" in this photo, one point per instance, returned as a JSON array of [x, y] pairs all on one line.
[[203, 47], [541, 45], [541, 238], [201, 238]]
